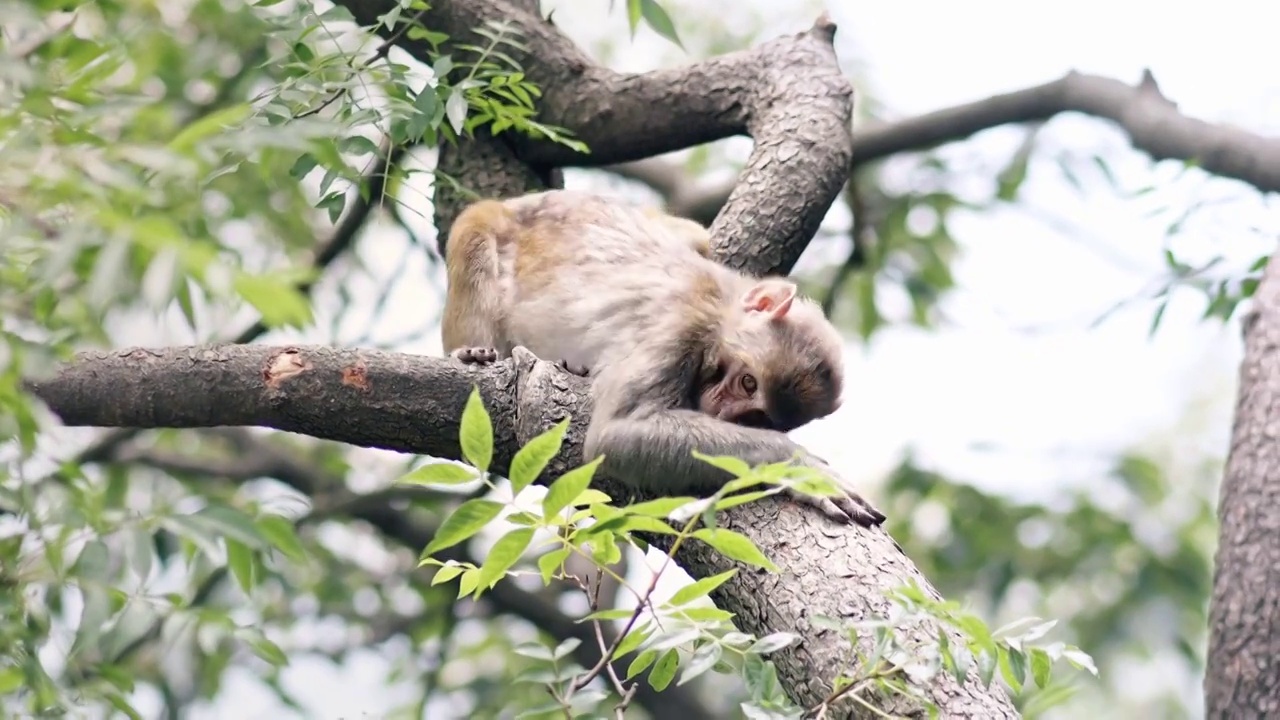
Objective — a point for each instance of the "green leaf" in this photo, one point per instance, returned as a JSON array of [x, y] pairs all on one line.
[[633, 16], [93, 617], [475, 434], [1041, 665], [660, 21], [468, 582], [264, 648], [611, 614], [534, 651], [455, 108], [504, 554], [230, 523], [743, 499], [773, 642], [641, 661], [664, 671], [279, 532], [567, 646], [736, 546], [446, 573], [531, 459], [11, 679], [704, 614], [703, 660], [986, 667], [1080, 659], [215, 122], [732, 465], [659, 508], [119, 703], [139, 546], [240, 562], [700, 588], [633, 640], [464, 522], [279, 303], [441, 473], [548, 564], [567, 487], [92, 563], [1013, 667], [962, 660]]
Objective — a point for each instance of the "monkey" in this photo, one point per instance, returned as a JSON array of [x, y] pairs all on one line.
[[683, 352], [693, 232]]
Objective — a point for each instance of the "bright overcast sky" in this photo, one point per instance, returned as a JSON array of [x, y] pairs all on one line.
[[1018, 369]]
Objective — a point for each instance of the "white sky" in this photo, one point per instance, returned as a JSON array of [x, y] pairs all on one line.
[[1019, 369]]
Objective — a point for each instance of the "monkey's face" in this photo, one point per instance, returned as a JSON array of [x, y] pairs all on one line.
[[734, 393]]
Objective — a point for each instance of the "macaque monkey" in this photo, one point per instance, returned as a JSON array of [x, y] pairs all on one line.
[[684, 353]]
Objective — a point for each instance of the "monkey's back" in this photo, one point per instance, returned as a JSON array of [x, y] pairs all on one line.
[[598, 278]]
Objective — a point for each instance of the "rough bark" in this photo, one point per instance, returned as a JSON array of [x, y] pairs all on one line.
[[411, 404], [1152, 122], [1243, 673]]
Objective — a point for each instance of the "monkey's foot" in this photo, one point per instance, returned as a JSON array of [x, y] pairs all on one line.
[[847, 508], [580, 370], [475, 355]]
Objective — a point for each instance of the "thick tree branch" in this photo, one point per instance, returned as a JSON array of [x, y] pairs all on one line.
[[411, 404], [1152, 122], [788, 94], [338, 242], [1243, 674]]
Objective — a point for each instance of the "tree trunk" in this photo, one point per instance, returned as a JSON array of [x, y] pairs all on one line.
[[1242, 679]]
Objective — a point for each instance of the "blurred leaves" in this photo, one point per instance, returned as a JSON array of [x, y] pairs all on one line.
[[1128, 577]]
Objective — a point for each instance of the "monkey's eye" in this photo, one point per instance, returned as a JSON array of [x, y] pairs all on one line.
[[748, 384]]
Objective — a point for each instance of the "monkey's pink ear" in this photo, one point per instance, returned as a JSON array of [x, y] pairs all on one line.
[[772, 296]]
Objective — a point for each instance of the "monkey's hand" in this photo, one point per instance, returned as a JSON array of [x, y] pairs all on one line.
[[572, 369], [847, 506]]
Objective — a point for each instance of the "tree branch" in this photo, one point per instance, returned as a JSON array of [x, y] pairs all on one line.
[[1152, 122], [1243, 661], [788, 94], [411, 404]]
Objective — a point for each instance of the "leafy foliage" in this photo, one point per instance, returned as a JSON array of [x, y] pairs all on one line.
[[1091, 557], [187, 169], [682, 639]]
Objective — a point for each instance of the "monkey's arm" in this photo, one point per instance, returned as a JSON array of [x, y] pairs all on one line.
[[652, 449]]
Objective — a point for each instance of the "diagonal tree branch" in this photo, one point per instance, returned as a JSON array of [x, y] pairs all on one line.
[[788, 94], [411, 404], [1152, 122]]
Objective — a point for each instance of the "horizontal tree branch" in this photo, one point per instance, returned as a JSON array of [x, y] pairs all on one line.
[[411, 404], [1152, 122]]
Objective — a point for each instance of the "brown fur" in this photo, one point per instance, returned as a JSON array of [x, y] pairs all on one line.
[[669, 335]]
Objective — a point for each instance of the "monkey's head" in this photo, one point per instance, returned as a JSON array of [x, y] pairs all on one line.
[[779, 364]]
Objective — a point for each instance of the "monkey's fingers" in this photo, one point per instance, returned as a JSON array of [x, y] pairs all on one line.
[[828, 508], [475, 355], [580, 370], [862, 512]]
